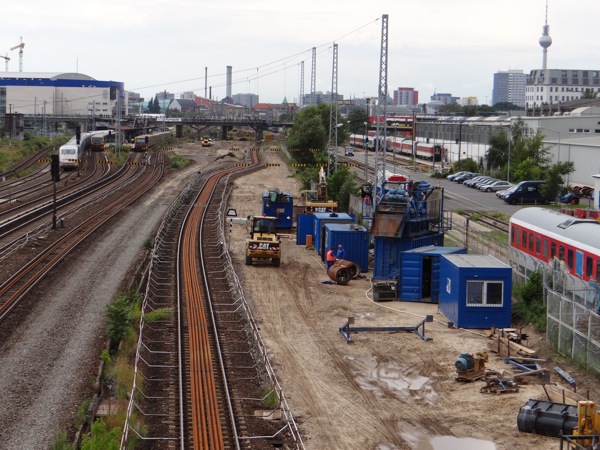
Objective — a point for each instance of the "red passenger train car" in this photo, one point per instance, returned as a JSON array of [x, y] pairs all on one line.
[[548, 236]]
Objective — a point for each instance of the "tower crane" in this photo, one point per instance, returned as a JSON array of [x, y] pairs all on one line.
[[7, 60], [20, 47]]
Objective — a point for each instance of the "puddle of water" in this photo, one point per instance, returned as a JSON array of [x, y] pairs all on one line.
[[454, 443]]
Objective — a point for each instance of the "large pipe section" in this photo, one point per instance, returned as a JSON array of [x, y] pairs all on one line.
[[547, 418]]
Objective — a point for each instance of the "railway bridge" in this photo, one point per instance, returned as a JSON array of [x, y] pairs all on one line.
[[137, 123]]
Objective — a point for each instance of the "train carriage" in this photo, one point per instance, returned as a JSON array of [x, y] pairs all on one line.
[[549, 237], [423, 150], [98, 140], [146, 142], [70, 154]]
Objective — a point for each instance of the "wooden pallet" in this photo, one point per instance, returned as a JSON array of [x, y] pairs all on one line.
[[499, 389]]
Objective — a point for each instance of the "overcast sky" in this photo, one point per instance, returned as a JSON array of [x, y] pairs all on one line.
[[444, 46]]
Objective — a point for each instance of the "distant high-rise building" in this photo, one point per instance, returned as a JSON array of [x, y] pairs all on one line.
[[406, 96], [247, 100], [444, 98], [509, 86]]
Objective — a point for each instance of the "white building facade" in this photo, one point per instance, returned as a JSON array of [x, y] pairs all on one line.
[[67, 94], [553, 86]]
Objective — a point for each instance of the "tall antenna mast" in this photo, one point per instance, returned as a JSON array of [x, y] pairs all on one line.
[[545, 40]]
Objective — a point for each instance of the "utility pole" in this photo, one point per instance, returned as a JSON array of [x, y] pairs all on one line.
[[333, 128], [380, 143]]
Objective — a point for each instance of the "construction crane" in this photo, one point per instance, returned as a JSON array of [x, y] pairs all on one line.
[[7, 60], [20, 46]]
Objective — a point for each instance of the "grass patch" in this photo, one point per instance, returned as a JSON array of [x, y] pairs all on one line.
[[178, 161]]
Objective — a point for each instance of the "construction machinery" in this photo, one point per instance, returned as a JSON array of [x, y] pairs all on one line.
[[7, 59], [578, 424], [264, 243], [20, 47], [317, 200], [470, 367]]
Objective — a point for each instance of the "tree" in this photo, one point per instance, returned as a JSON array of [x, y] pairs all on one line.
[[497, 154], [357, 119], [308, 136], [451, 108], [156, 107], [150, 107], [507, 106], [555, 184], [588, 93]]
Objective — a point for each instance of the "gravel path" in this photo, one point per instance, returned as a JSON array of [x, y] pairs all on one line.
[[48, 366]]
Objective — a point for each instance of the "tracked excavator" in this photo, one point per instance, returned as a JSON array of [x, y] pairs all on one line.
[[317, 200]]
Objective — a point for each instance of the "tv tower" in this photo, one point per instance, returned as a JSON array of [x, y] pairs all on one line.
[[545, 39]]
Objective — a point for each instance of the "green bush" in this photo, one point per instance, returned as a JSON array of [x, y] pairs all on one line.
[[530, 307]]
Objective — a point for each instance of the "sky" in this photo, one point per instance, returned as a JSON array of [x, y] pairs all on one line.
[[433, 46]]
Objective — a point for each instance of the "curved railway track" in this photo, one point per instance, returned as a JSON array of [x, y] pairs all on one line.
[[23, 280], [210, 353]]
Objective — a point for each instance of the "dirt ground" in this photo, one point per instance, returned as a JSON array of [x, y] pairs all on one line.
[[384, 390]]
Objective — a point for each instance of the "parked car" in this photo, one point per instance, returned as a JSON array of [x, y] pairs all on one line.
[[527, 192], [475, 180], [348, 151], [502, 194], [570, 198], [497, 185], [452, 176], [485, 182], [465, 177]]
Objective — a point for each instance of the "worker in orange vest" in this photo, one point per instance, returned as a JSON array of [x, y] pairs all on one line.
[[330, 257]]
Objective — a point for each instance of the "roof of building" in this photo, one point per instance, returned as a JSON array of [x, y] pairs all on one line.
[[45, 75]]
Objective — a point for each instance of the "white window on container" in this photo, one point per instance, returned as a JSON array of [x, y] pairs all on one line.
[[485, 293]]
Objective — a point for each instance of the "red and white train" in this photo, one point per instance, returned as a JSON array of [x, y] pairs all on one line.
[[403, 146], [549, 237]]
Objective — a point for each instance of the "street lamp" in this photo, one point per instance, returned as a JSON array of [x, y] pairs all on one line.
[[339, 125]]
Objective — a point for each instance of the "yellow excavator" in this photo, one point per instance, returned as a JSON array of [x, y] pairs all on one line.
[[317, 200]]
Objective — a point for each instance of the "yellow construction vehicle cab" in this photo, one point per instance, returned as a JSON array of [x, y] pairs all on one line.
[[263, 242], [206, 141]]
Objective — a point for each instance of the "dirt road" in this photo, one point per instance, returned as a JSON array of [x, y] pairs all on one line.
[[385, 390]]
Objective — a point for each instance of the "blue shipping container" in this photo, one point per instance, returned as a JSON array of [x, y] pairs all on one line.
[[388, 253], [305, 224], [279, 204], [355, 240], [320, 220], [476, 291], [420, 275]]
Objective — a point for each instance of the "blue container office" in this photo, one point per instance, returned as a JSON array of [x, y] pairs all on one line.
[[354, 238], [389, 250], [279, 204], [320, 220], [420, 275], [305, 225], [476, 291]]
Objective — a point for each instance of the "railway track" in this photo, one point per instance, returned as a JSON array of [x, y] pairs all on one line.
[[488, 220], [24, 279], [222, 392]]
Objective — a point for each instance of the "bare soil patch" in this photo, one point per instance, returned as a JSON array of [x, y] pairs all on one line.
[[385, 390]]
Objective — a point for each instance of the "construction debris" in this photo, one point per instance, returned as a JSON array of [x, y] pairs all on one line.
[[496, 383], [502, 342]]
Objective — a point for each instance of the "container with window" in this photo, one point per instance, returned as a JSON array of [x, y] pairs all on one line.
[[475, 291]]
